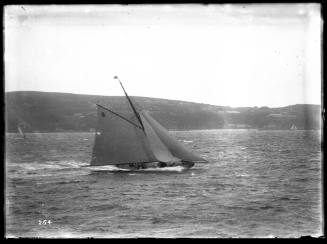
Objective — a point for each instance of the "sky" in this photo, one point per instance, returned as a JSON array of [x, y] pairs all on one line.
[[227, 54]]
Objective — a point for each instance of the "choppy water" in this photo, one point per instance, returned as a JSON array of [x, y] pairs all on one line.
[[258, 184]]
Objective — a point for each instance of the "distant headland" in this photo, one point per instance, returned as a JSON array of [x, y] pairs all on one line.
[[65, 112]]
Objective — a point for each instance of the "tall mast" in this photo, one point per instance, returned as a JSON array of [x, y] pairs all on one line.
[[130, 102]]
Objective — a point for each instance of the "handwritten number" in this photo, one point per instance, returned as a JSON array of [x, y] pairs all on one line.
[[45, 222]]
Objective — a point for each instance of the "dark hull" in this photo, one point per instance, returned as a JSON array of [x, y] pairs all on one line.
[[154, 165]]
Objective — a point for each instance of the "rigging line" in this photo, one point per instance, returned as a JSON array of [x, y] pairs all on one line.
[[130, 102], [120, 116]]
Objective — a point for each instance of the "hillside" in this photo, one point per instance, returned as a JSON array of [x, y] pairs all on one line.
[[50, 112]]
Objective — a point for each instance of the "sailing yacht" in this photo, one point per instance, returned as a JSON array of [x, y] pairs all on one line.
[[21, 131], [139, 142], [293, 127]]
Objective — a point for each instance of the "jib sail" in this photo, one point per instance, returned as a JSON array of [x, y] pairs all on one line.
[[175, 148]]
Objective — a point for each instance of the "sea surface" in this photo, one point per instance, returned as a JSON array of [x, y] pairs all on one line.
[[257, 184]]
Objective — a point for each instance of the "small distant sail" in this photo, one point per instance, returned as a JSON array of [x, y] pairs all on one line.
[[21, 132], [293, 127]]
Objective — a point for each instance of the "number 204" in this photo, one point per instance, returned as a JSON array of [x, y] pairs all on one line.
[[45, 222]]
